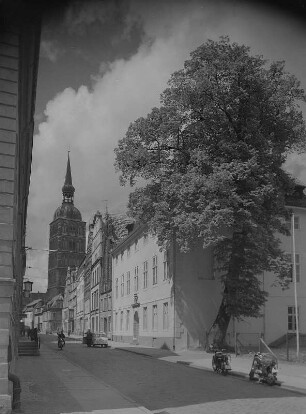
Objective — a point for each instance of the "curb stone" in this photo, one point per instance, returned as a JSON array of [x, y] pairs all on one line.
[[246, 377]]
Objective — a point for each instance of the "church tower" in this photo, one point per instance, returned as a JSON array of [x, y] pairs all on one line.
[[67, 239]]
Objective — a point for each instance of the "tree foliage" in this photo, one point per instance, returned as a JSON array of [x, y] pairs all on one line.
[[211, 157]]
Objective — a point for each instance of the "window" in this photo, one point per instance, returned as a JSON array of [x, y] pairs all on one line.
[[166, 265], [145, 274], [128, 283], [296, 223], [121, 321], [145, 318], [122, 253], [154, 270], [128, 251], [136, 279], [165, 316], [297, 266], [109, 323], [116, 260], [122, 285], [154, 318], [136, 245], [116, 287], [127, 320], [292, 318]]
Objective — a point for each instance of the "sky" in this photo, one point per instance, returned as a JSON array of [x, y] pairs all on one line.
[[103, 64]]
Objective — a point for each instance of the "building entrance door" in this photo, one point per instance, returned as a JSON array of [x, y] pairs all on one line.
[[136, 327]]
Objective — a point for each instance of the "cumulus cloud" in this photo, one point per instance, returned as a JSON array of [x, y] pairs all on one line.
[[90, 121]]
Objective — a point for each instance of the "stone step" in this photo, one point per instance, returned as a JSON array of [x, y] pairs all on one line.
[[27, 349], [32, 352], [27, 346]]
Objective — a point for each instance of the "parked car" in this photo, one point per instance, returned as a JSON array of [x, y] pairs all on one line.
[[100, 340]]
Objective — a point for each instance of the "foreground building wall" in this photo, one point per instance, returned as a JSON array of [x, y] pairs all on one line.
[[19, 50]]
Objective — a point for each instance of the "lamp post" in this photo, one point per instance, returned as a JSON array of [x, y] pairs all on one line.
[[295, 289], [27, 288]]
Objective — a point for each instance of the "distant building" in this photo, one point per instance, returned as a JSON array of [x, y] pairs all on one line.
[[108, 240], [96, 268], [79, 321], [53, 320], [69, 302], [31, 312], [87, 280], [67, 239]]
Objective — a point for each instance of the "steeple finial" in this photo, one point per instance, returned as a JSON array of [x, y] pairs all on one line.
[[68, 189]]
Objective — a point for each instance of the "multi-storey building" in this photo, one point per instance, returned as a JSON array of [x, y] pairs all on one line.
[[278, 313], [108, 240], [165, 296], [87, 279], [96, 267], [67, 239], [79, 327], [162, 297], [69, 302], [19, 53]]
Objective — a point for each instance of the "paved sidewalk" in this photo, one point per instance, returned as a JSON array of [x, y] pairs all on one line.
[[292, 375]]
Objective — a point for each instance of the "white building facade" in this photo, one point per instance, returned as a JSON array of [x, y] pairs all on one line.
[[278, 313], [161, 298]]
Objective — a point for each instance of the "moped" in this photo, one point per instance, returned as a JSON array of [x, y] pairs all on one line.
[[221, 362], [264, 369]]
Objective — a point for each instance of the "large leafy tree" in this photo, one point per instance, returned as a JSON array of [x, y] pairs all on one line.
[[209, 163]]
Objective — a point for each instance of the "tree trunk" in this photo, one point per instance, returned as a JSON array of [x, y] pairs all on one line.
[[217, 333]]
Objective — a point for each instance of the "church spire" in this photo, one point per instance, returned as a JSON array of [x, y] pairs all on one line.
[[68, 189]]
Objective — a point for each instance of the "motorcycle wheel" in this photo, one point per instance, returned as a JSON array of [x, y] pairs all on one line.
[[251, 375], [270, 380], [60, 345], [224, 371], [214, 366]]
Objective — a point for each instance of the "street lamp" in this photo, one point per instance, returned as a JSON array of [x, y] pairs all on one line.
[[27, 288]]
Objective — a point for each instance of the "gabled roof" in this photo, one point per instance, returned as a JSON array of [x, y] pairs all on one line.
[[52, 302], [30, 306]]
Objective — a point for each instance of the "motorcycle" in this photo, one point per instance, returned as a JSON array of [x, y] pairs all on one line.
[[264, 369], [60, 343], [221, 362]]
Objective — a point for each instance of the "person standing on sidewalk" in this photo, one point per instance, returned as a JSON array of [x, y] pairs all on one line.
[[89, 337]]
